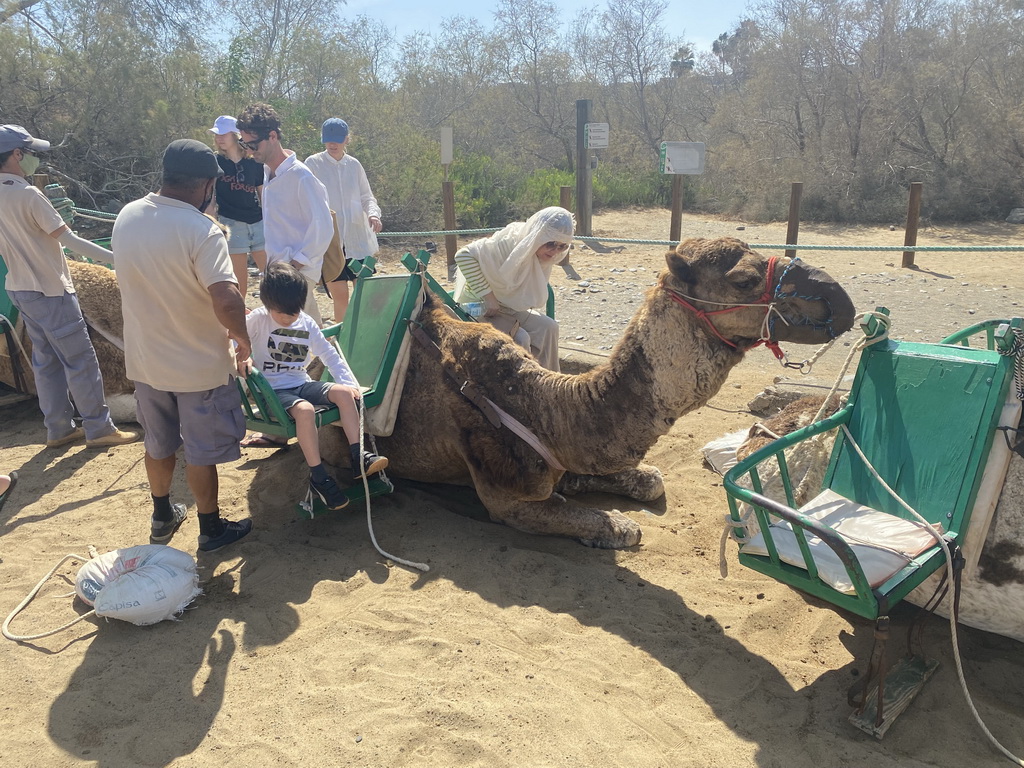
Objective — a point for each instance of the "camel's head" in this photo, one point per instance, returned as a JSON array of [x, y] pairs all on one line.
[[721, 277]]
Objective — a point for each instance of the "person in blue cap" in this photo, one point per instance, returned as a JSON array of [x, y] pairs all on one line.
[[351, 199], [39, 285]]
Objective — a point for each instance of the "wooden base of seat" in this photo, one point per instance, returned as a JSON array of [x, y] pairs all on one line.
[[902, 682], [378, 484]]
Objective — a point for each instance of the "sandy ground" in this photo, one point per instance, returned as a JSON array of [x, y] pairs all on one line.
[[309, 648]]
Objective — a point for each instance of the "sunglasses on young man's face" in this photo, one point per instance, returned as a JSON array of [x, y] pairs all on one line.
[[252, 146]]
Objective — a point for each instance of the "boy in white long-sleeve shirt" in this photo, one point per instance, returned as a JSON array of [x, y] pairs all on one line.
[[284, 339]]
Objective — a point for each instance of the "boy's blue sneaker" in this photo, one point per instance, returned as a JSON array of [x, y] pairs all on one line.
[[372, 464], [161, 531], [329, 493], [231, 533]]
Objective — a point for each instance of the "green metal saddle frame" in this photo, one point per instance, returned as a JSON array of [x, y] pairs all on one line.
[[925, 416], [369, 337]]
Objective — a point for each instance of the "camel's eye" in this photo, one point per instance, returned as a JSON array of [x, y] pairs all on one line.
[[744, 280]]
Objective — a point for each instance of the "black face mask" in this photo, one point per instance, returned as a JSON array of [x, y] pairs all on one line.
[[206, 203]]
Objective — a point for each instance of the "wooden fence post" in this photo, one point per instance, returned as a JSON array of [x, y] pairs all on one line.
[[675, 226], [565, 201], [451, 242], [913, 215], [796, 191]]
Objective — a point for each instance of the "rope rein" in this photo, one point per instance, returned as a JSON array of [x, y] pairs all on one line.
[[35, 590]]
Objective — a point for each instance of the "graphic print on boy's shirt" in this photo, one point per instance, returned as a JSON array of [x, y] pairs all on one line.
[[287, 347]]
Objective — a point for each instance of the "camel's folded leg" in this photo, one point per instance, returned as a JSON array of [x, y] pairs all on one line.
[[643, 483], [555, 516]]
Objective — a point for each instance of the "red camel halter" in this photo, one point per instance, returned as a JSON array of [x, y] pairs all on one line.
[[767, 300]]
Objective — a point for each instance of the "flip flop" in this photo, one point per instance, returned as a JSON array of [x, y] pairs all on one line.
[[7, 494], [262, 441]]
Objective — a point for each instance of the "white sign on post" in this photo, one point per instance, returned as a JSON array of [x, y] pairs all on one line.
[[447, 153], [595, 135], [686, 157]]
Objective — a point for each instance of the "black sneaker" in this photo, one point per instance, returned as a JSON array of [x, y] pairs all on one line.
[[161, 531], [329, 493], [372, 464], [231, 533]]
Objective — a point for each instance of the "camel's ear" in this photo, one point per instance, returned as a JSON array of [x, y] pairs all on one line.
[[680, 267]]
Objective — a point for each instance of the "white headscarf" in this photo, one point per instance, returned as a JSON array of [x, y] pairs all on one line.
[[509, 263]]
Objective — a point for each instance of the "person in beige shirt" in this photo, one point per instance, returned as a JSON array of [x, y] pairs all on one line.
[[40, 287], [182, 311]]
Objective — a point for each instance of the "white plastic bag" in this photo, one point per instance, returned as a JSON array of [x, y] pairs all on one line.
[[143, 584]]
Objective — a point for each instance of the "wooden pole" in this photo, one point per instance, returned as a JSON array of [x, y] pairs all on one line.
[[565, 201], [584, 187], [913, 215], [675, 226], [796, 191], [40, 180], [451, 242]]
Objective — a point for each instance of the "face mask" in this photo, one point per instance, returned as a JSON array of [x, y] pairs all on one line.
[[29, 163], [206, 203]]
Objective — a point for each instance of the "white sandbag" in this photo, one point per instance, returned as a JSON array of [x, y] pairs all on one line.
[[720, 453], [143, 584]]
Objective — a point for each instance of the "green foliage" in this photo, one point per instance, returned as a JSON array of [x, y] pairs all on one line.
[[623, 187], [856, 101]]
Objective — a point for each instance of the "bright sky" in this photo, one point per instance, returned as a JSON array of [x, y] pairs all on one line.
[[698, 21]]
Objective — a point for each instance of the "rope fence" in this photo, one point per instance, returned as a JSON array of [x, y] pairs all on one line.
[[68, 211]]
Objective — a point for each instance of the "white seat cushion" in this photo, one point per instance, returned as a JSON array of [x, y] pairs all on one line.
[[882, 543]]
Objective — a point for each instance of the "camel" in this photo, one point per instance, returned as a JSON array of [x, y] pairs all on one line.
[[100, 299], [599, 424]]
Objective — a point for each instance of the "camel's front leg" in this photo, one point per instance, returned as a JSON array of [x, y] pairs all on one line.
[[643, 483], [555, 516]]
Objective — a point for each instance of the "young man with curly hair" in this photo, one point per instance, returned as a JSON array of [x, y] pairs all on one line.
[[297, 222]]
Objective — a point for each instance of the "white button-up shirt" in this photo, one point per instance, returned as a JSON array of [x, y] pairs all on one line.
[[297, 221], [351, 198]]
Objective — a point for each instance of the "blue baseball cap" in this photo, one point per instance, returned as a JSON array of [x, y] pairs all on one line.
[[334, 130], [16, 137]]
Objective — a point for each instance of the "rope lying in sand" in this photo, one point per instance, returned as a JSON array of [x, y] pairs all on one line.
[[31, 595], [366, 492]]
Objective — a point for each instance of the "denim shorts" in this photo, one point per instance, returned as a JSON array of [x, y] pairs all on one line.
[[315, 392], [243, 238]]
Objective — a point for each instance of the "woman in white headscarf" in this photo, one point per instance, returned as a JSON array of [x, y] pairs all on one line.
[[508, 274]]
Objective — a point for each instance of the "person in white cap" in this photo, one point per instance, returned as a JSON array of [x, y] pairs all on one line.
[[39, 285], [352, 201], [238, 196], [296, 217]]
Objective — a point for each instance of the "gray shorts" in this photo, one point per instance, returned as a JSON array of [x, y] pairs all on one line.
[[315, 392], [209, 423], [242, 237]]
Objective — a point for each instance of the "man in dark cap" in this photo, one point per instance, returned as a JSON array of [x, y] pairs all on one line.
[[39, 284], [182, 311]]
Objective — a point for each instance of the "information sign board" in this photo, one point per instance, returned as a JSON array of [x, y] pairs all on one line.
[[685, 157]]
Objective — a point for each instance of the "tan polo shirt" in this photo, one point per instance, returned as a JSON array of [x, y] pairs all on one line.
[[35, 261], [167, 255]]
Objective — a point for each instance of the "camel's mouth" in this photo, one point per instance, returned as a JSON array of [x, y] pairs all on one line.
[[810, 307]]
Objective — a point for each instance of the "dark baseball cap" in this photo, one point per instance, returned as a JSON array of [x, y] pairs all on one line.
[[188, 157], [16, 137]]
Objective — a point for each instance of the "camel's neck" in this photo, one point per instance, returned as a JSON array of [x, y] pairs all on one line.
[[665, 366]]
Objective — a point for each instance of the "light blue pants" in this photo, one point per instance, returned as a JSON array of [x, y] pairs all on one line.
[[63, 360]]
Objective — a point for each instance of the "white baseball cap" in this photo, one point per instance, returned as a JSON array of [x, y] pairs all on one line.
[[224, 124]]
